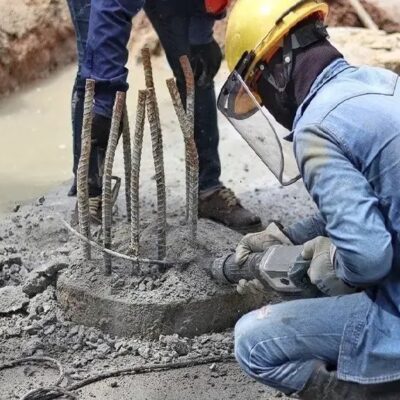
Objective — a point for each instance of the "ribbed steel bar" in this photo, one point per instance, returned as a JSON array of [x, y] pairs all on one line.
[[126, 142], [135, 173], [183, 122], [157, 146], [107, 202], [83, 167], [191, 149], [148, 70]]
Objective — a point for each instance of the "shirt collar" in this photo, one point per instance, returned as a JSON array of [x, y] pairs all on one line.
[[332, 70]]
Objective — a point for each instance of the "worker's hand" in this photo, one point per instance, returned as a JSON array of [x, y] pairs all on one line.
[[322, 274], [260, 242], [250, 287]]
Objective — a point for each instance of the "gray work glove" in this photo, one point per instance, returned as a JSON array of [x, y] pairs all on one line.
[[250, 287], [322, 272], [259, 242]]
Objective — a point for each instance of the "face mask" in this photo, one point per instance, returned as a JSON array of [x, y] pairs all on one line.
[[281, 105]]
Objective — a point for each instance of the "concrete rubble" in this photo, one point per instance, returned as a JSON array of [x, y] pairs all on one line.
[[12, 299]]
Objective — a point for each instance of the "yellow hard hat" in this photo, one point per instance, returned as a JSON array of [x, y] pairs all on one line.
[[259, 26]]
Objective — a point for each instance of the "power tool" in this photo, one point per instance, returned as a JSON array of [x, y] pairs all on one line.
[[280, 267]]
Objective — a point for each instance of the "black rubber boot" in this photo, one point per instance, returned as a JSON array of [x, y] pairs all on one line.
[[324, 385]]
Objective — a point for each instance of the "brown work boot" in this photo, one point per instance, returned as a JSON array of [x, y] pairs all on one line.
[[224, 207]]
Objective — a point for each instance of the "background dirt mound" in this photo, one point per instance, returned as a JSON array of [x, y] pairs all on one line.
[[343, 14], [36, 36]]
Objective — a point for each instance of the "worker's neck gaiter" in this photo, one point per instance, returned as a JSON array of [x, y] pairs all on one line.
[[308, 64]]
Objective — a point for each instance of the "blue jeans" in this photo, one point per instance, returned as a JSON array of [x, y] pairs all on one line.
[[279, 345]]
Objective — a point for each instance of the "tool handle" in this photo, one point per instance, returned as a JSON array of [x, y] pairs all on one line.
[[248, 271]]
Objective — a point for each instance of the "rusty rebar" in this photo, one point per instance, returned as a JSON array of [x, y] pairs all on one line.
[[126, 143], [135, 173], [191, 149], [96, 246], [83, 167], [148, 70], [183, 122], [186, 121], [157, 147], [107, 202]]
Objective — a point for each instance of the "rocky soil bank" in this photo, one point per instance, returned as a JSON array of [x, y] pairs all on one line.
[[36, 36]]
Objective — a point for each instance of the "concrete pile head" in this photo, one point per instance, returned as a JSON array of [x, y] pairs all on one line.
[[136, 297]]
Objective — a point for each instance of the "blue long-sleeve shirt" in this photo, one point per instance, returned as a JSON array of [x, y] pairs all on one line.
[[347, 145]]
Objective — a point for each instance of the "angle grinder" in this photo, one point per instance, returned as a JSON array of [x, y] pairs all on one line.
[[280, 267]]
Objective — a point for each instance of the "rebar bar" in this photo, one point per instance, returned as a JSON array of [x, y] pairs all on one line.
[[157, 147], [148, 70], [83, 167], [96, 246], [186, 121], [135, 174], [126, 144], [191, 149], [107, 202], [183, 122]]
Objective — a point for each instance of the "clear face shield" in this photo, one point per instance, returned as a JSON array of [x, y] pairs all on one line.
[[257, 127]]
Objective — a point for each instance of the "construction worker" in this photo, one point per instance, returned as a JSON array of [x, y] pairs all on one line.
[[184, 28], [80, 14], [344, 122]]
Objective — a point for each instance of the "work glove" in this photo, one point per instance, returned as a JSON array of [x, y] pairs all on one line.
[[321, 252], [206, 61], [259, 242], [250, 287]]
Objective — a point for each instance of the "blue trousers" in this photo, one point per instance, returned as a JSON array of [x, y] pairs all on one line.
[[80, 12], [102, 56], [279, 345]]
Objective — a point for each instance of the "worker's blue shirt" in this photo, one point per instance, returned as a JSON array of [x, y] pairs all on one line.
[[347, 145]]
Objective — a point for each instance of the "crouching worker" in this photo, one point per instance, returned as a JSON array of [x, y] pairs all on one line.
[[345, 128]]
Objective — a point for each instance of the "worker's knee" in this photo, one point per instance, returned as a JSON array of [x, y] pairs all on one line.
[[252, 338]]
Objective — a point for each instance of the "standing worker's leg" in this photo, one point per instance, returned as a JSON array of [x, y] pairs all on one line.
[[206, 57], [177, 31], [105, 58], [282, 345], [80, 13]]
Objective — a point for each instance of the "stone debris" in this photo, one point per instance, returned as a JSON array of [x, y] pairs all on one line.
[[38, 280], [12, 299]]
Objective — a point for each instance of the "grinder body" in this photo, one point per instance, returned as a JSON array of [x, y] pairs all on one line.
[[281, 267]]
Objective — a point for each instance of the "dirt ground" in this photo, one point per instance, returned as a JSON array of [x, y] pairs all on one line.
[[35, 248]]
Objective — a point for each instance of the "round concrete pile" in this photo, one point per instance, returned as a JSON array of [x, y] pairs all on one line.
[[183, 299]]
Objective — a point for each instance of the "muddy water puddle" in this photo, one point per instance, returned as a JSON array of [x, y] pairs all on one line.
[[35, 139], [36, 136]]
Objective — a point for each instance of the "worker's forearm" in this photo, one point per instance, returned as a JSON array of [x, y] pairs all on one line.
[[306, 229]]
